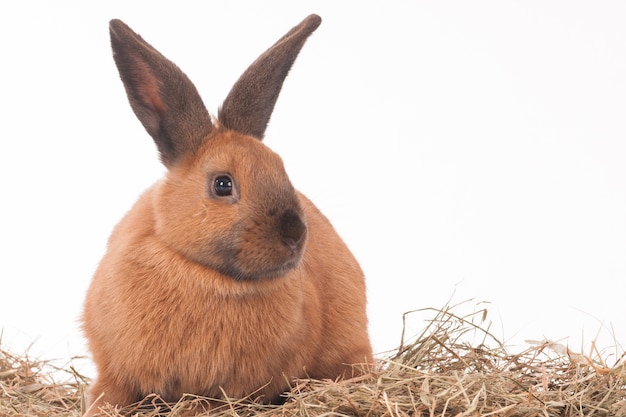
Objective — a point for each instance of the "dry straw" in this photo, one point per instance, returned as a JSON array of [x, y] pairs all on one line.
[[454, 367]]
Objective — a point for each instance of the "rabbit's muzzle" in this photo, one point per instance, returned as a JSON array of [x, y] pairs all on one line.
[[263, 245], [292, 231]]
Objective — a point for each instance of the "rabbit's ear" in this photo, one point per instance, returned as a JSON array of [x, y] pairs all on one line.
[[163, 98], [248, 106]]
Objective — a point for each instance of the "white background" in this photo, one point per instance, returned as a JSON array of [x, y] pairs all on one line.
[[464, 150]]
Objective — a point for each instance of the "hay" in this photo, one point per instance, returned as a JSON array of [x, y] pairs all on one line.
[[455, 367], [29, 387]]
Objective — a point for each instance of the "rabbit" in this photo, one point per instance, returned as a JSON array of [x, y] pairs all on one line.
[[222, 280]]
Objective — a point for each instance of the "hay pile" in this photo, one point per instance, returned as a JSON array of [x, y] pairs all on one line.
[[437, 373], [28, 388]]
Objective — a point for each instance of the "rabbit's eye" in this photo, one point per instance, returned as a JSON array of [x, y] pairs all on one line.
[[223, 185]]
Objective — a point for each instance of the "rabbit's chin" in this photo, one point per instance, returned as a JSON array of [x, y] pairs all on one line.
[[244, 268], [261, 274], [241, 272]]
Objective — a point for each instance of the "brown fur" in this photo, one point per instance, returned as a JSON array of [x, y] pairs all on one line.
[[200, 293]]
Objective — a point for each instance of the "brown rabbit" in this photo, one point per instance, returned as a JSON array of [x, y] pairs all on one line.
[[222, 279]]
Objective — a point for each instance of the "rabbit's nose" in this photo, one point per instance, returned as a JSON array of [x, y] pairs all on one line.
[[292, 230]]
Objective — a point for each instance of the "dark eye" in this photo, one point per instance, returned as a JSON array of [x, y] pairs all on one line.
[[223, 185]]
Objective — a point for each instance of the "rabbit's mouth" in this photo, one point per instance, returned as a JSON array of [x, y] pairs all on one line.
[[255, 248], [271, 253], [260, 262], [254, 257], [259, 265]]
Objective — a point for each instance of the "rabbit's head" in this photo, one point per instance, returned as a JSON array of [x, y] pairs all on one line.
[[226, 202]]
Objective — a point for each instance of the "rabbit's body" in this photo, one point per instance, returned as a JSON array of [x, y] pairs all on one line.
[[222, 279], [169, 325]]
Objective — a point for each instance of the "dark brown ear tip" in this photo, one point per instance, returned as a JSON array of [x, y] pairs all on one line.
[[313, 21], [116, 26]]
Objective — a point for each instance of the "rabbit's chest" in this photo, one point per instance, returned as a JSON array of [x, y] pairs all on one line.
[[211, 343]]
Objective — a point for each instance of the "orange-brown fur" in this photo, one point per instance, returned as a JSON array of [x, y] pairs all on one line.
[[160, 317]]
